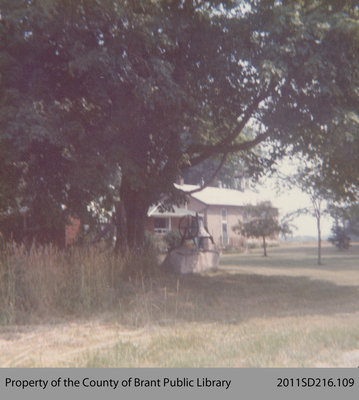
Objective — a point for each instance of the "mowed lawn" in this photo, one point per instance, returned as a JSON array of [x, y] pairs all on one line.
[[277, 311]]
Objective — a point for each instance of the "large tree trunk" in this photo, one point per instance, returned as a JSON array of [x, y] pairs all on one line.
[[131, 216], [121, 227]]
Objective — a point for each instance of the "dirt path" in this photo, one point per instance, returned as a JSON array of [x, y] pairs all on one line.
[[64, 345], [58, 345]]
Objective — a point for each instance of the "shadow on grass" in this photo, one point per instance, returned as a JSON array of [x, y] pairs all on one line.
[[233, 298], [231, 295]]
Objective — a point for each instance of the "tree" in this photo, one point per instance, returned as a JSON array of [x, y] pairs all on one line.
[[150, 89], [263, 223], [339, 239], [353, 219], [236, 172], [345, 223], [309, 179], [317, 199], [347, 216]]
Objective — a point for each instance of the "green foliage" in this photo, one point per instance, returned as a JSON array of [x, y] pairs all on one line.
[[353, 219], [101, 100], [346, 216], [339, 238], [262, 222], [311, 179], [172, 240]]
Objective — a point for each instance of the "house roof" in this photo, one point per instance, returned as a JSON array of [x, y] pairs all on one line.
[[221, 196]]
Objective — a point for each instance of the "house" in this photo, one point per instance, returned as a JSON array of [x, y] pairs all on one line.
[[221, 209], [161, 222], [21, 227]]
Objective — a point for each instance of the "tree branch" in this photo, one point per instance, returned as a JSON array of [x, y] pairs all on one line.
[[226, 145], [226, 149], [211, 179]]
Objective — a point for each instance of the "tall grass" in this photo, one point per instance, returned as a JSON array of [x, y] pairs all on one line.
[[281, 310], [45, 282]]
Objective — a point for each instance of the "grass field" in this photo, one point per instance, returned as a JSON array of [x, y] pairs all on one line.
[[278, 311]]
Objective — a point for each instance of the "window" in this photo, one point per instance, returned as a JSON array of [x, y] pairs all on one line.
[[224, 214], [224, 234], [161, 225], [224, 227]]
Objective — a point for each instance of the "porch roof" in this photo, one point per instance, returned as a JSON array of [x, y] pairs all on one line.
[[155, 211]]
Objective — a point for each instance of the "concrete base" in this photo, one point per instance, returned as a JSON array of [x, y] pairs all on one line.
[[189, 261]]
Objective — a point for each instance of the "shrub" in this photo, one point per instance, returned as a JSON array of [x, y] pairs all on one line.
[[339, 239], [172, 240]]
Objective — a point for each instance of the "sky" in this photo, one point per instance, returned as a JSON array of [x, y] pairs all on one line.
[[289, 200]]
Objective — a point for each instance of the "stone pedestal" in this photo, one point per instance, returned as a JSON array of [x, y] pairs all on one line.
[[188, 261]]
